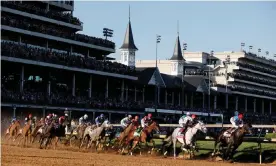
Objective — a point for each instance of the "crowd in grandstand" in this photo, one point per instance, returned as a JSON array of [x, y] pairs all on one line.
[[42, 54], [34, 26], [257, 67], [252, 89], [34, 9]]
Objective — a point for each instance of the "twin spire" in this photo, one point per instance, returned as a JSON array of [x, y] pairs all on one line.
[[129, 41], [177, 53]]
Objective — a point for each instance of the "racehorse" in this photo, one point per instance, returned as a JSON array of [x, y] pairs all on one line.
[[51, 131], [144, 137], [13, 130], [95, 134], [177, 136], [25, 133], [124, 134], [77, 138], [232, 142]]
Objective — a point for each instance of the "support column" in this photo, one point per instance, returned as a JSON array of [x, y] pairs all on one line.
[[47, 44], [106, 89], [19, 40], [158, 94], [215, 102], [109, 117], [14, 111], [122, 90], [71, 50], [226, 101], [237, 103], [245, 103], [186, 100], [262, 106], [179, 98], [74, 85], [143, 94], [254, 105], [192, 100], [126, 92], [22, 79], [94, 116], [88, 53], [166, 97], [47, 7], [44, 112], [90, 86], [270, 107], [172, 97], [135, 91], [49, 88], [203, 100]]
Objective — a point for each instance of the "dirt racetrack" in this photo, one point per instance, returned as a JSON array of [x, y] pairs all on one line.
[[13, 155]]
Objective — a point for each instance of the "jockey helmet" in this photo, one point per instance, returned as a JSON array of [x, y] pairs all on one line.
[[85, 116], [193, 116], [129, 116], [50, 115], [149, 115], [102, 115], [65, 114], [240, 116], [55, 115], [236, 113], [136, 117], [188, 114], [30, 115], [35, 117]]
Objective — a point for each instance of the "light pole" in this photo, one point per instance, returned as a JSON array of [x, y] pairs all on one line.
[[209, 89], [250, 48], [242, 46], [259, 51], [183, 74], [158, 40], [226, 62], [107, 33], [267, 53]]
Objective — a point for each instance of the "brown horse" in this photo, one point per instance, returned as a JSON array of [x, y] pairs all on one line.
[[25, 133], [144, 137], [231, 143], [77, 138], [124, 134], [13, 130]]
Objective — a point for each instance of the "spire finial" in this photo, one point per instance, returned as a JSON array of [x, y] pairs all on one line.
[[177, 28], [129, 12]]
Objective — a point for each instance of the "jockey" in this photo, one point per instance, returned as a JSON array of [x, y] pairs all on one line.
[[67, 121], [236, 122], [126, 121], [29, 117], [83, 119], [146, 120], [99, 120], [12, 122], [48, 119], [186, 121], [61, 120]]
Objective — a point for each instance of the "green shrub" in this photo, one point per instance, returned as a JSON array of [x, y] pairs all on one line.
[[270, 135]]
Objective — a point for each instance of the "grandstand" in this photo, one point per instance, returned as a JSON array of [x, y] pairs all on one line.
[[47, 66]]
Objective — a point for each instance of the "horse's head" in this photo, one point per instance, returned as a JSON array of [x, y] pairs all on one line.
[[106, 124], [154, 126], [201, 126], [247, 127]]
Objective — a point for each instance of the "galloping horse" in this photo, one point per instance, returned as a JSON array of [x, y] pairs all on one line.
[[52, 132], [144, 137], [177, 136], [13, 130], [95, 134], [25, 133], [124, 134], [232, 142], [77, 138]]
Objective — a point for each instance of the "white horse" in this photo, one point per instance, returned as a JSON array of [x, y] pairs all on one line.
[[95, 134], [177, 136]]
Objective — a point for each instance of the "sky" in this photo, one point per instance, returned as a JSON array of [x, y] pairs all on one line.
[[204, 26]]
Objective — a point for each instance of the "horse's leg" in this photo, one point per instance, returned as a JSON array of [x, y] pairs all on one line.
[[233, 152], [174, 144], [135, 142], [215, 148], [228, 151], [56, 141]]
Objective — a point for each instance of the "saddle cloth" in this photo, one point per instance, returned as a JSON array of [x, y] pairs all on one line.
[[180, 134], [136, 134]]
